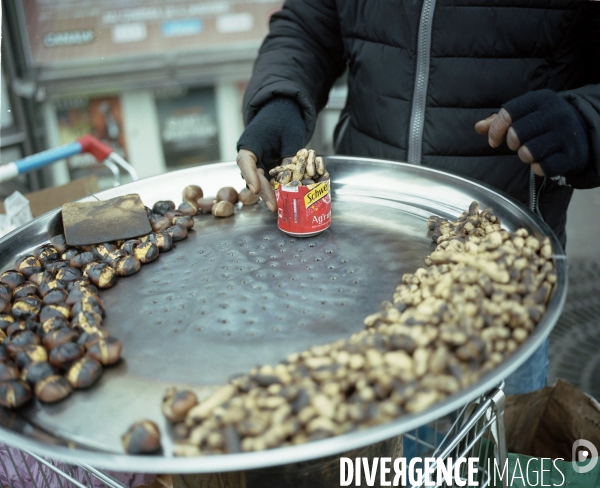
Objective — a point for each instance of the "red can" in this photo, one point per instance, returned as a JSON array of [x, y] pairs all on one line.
[[303, 211]]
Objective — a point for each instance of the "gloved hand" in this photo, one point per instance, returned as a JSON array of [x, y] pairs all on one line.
[[277, 131], [546, 131]]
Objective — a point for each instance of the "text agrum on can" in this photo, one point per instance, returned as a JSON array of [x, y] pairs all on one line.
[[303, 211]]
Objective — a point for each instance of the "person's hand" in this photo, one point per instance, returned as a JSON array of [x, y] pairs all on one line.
[[545, 131], [255, 178], [277, 131]]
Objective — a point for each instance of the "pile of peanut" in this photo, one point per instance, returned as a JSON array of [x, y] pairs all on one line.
[[305, 168], [482, 292]]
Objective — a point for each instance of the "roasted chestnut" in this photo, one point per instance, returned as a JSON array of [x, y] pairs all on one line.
[[12, 278], [90, 303], [2, 335], [129, 245], [206, 204], [59, 242], [46, 287], [142, 438], [86, 320], [159, 223], [55, 296], [70, 254], [36, 372], [38, 250], [247, 197], [101, 250], [146, 252], [53, 324], [6, 292], [19, 340], [6, 320], [80, 260], [22, 325], [26, 289], [14, 393], [107, 351], [41, 277], [31, 354], [53, 266], [63, 356], [112, 257], [102, 275], [55, 310], [59, 336], [4, 356], [84, 373], [79, 292], [177, 232], [26, 308], [163, 206], [188, 208], [52, 389], [8, 371], [163, 241], [83, 281], [183, 220], [227, 194], [68, 274], [126, 266], [222, 209], [173, 213], [177, 403], [28, 265], [46, 253], [86, 339], [191, 193], [5, 305]]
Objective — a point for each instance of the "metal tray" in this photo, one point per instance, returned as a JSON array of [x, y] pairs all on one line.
[[238, 292]]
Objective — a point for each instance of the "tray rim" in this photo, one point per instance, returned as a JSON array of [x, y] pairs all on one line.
[[335, 445]]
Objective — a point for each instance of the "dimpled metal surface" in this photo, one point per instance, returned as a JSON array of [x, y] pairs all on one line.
[[238, 292]]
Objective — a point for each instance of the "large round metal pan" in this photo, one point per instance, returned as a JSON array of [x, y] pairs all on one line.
[[238, 292]]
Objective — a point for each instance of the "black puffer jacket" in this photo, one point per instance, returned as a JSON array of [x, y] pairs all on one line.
[[422, 72]]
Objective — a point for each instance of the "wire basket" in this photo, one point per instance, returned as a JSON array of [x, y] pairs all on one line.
[[474, 431]]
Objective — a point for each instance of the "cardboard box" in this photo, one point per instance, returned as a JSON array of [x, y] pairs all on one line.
[[43, 201]]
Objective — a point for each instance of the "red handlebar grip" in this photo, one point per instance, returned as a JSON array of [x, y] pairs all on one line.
[[96, 148]]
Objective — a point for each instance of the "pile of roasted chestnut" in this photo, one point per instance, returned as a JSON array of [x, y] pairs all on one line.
[[51, 335]]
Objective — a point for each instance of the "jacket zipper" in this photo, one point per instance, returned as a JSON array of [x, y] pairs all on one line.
[[534, 194], [415, 141]]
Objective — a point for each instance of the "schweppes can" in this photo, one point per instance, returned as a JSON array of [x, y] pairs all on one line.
[[303, 211]]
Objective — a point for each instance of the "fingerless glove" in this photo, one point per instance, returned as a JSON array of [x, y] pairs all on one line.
[[553, 130], [277, 131]]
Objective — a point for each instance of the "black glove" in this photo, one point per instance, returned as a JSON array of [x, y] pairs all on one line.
[[553, 131], [277, 131]]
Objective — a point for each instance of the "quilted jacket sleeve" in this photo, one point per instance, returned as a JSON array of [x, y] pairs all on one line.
[[301, 58], [587, 100]]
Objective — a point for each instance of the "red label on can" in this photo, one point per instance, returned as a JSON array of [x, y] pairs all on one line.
[[303, 210]]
